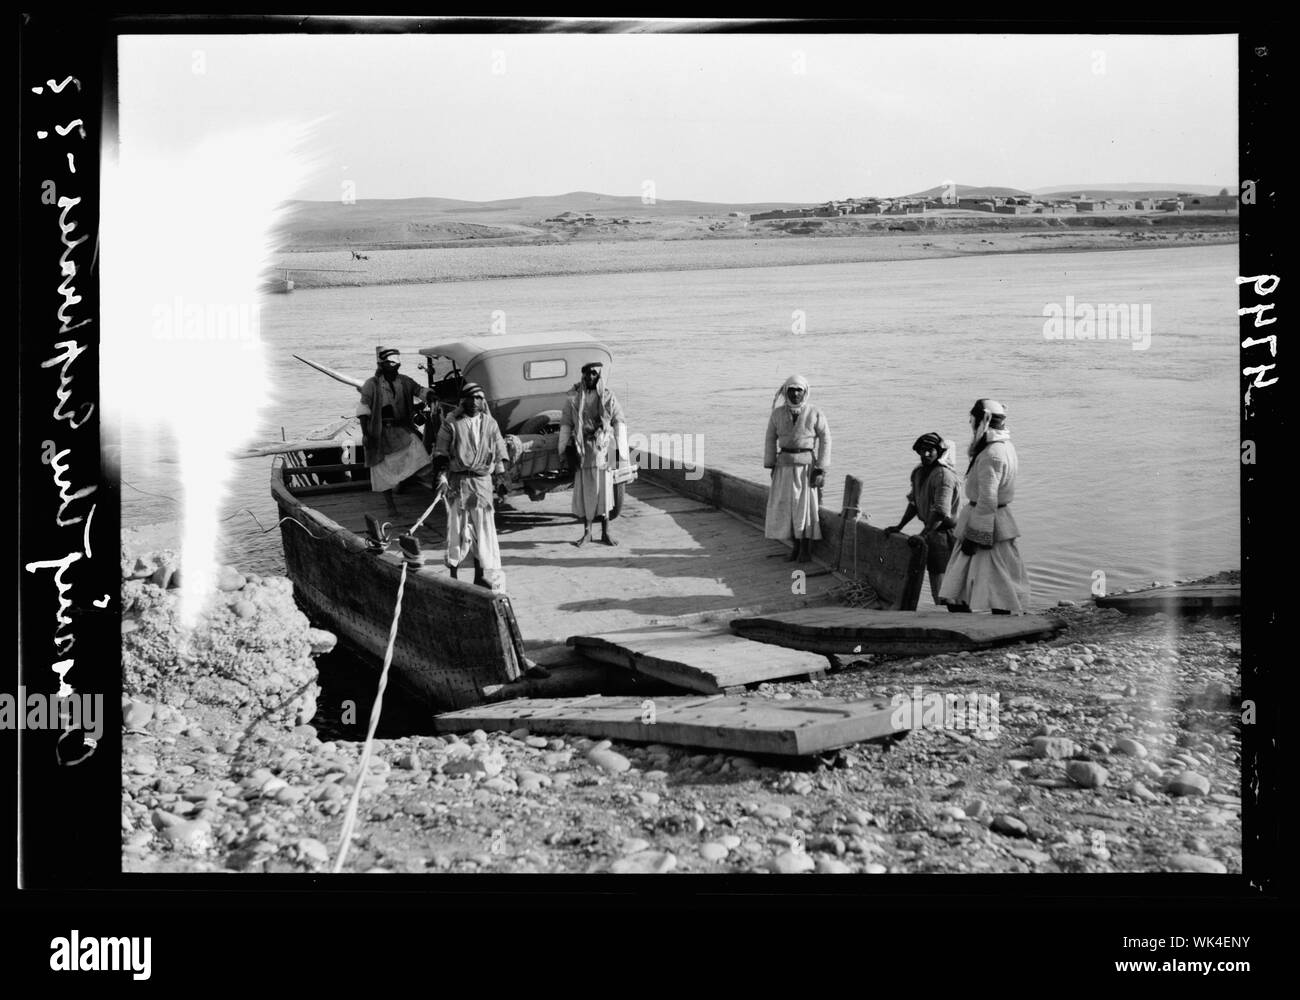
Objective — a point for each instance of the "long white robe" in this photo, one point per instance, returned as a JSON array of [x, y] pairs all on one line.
[[993, 577], [471, 530], [590, 422], [593, 484], [792, 503]]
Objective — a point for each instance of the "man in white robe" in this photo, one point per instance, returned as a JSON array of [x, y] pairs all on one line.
[[985, 572], [589, 422], [469, 449], [797, 448]]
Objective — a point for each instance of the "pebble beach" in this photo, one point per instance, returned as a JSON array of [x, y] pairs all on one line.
[[1115, 748]]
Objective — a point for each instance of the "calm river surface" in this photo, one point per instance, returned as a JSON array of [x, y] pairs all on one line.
[[1128, 459]]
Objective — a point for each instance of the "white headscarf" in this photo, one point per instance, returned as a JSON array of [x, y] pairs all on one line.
[[989, 408], [796, 380], [946, 455]]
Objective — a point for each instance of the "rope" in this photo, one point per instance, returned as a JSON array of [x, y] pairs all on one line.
[[350, 819], [442, 489], [160, 496]]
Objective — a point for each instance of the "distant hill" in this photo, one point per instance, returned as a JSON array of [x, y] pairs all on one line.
[[521, 210], [424, 221], [589, 201], [966, 191]]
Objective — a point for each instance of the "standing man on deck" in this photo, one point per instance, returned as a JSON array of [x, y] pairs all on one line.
[[468, 450], [936, 499], [590, 421], [394, 450], [985, 571], [797, 449]]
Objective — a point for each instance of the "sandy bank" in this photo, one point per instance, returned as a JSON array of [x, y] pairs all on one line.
[[471, 263]]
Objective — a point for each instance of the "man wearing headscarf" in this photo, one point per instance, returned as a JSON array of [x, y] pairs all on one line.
[[394, 450], [468, 450], [985, 571], [797, 449], [589, 422], [935, 497]]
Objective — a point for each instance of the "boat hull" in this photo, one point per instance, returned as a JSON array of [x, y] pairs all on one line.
[[694, 546], [454, 640]]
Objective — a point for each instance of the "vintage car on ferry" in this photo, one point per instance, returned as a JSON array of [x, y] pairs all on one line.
[[700, 550], [525, 379]]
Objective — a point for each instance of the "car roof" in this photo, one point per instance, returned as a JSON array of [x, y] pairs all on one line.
[[466, 350]]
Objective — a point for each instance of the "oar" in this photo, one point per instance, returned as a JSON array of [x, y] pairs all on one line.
[[287, 447], [356, 383]]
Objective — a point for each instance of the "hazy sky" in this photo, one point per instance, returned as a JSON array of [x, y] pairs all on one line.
[[739, 118]]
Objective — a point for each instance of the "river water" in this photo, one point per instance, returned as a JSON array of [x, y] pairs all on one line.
[[1128, 458]]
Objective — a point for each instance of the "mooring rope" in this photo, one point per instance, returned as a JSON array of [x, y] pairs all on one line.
[[350, 819], [160, 496], [438, 495]]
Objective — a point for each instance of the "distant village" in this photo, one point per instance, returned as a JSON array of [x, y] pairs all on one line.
[[1016, 205]]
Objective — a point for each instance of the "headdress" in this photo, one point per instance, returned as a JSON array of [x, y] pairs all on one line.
[[793, 380], [930, 440]]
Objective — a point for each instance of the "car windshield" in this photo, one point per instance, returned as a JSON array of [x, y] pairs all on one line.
[[439, 367]]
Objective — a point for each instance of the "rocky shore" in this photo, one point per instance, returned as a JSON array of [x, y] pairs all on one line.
[[1113, 748]]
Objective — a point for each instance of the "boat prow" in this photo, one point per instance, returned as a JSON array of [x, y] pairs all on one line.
[[453, 640]]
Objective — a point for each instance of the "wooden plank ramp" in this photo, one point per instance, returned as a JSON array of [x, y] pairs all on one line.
[[859, 630], [1193, 599], [710, 661], [735, 724]]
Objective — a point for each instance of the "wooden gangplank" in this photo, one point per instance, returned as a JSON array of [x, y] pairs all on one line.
[[1215, 598], [710, 661], [859, 630], [736, 724]]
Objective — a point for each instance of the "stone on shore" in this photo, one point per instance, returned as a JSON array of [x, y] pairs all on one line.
[[1054, 747], [1196, 863], [644, 863], [1010, 826], [136, 714], [1188, 783], [1131, 747], [1086, 774], [713, 852], [609, 760], [791, 863]]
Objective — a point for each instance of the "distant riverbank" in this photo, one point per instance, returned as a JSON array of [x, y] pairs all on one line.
[[422, 265]]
